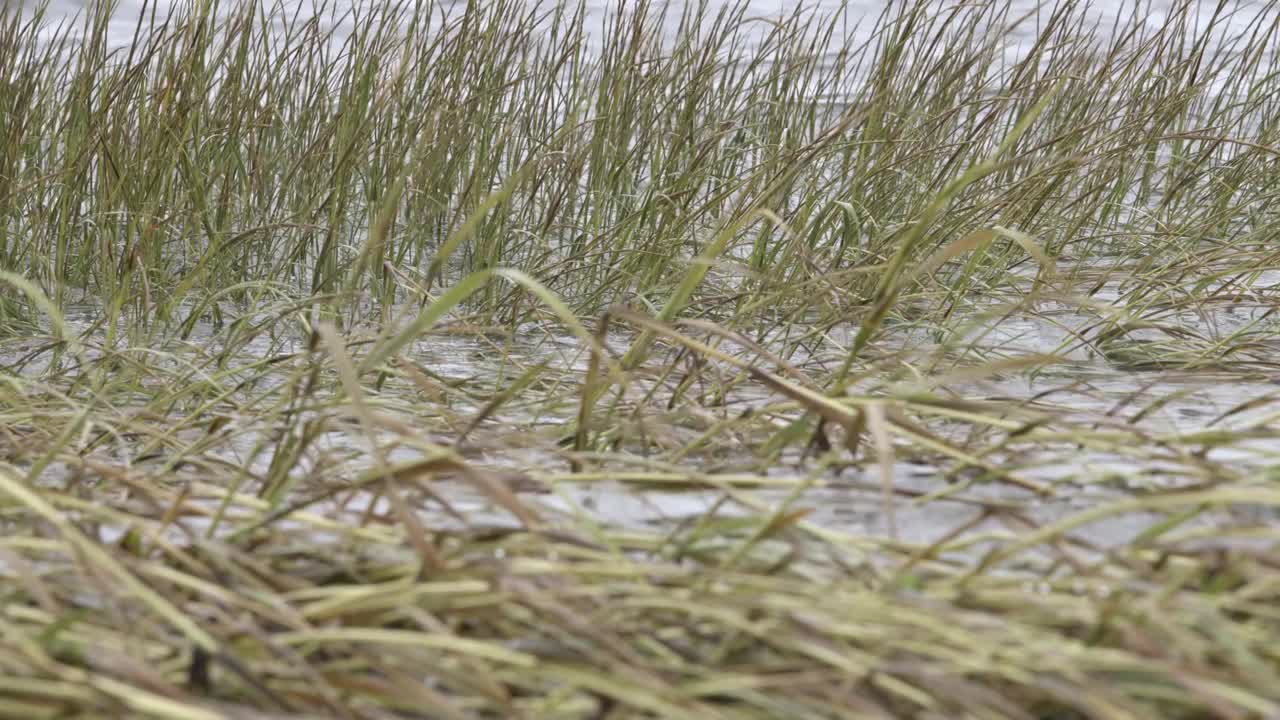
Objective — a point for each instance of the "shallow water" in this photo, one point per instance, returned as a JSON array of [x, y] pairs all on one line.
[[932, 502], [1083, 388]]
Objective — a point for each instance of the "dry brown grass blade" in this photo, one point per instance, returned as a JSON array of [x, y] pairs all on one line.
[[878, 423], [105, 562], [820, 404]]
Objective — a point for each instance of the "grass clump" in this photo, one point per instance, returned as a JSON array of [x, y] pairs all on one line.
[[498, 360]]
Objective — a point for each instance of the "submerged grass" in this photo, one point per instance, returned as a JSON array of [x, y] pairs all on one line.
[[508, 360]]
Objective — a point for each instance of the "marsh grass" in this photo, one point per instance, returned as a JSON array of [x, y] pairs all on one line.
[[322, 329]]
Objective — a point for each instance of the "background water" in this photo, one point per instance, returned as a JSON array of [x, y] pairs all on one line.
[[857, 16]]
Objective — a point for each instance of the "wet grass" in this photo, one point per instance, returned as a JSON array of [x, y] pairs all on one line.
[[339, 353]]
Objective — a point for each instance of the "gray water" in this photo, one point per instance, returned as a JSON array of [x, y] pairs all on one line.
[[519, 441], [856, 16]]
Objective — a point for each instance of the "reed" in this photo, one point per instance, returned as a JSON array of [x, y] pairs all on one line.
[[490, 359]]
